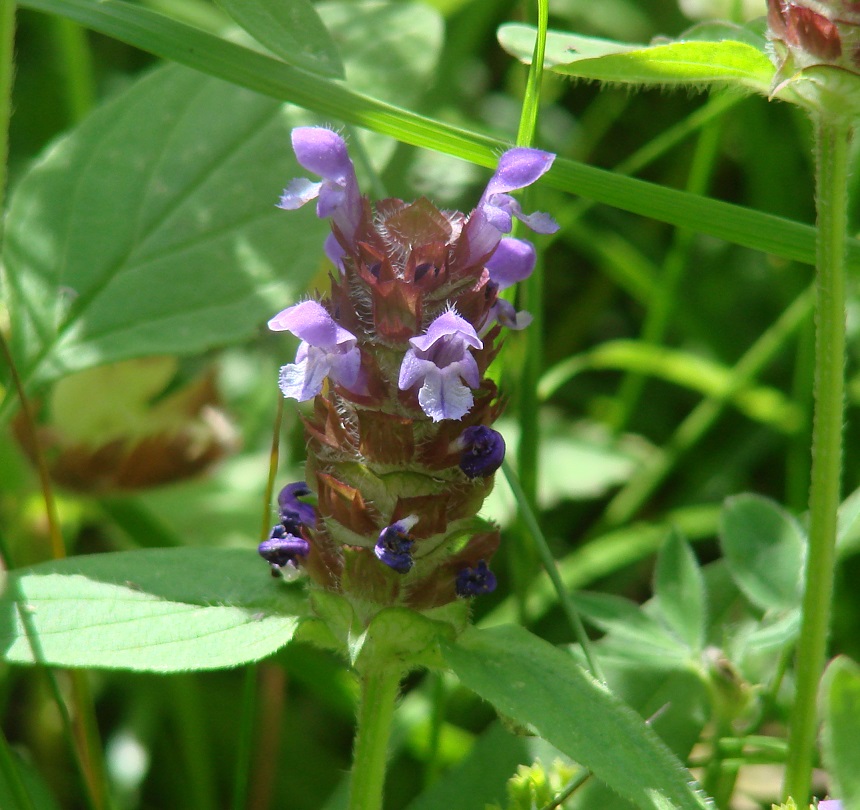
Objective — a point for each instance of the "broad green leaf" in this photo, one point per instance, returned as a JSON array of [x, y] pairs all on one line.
[[840, 690], [764, 547], [691, 63], [290, 29], [628, 628], [848, 527], [171, 39], [152, 227], [680, 591], [536, 684], [161, 610], [764, 404]]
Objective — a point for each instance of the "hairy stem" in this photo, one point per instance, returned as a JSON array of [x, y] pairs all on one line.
[[832, 157]]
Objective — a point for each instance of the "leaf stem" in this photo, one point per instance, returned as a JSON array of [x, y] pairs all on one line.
[[379, 688], [833, 142]]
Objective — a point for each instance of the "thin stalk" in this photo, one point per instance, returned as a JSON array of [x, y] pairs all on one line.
[[7, 74], [193, 738], [549, 563], [272, 690], [75, 67], [274, 455], [242, 771], [379, 688], [439, 702], [833, 142]]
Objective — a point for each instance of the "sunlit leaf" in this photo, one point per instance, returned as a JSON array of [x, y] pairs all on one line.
[[840, 690], [532, 682], [163, 610]]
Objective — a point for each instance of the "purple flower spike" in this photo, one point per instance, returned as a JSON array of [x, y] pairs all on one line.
[[326, 350], [295, 513], [282, 551], [493, 217], [483, 451], [324, 152], [475, 581], [394, 546], [441, 361]]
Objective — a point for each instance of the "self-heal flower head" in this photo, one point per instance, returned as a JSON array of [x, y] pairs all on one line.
[[394, 546], [441, 361], [475, 581], [326, 350], [493, 216], [324, 152], [295, 513]]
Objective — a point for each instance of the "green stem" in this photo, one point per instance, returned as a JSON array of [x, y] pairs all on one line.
[[379, 689], [832, 159], [7, 72]]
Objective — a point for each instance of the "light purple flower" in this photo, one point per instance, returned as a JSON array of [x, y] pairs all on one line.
[[324, 152], [518, 168], [830, 804], [441, 361], [512, 262], [326, 350]]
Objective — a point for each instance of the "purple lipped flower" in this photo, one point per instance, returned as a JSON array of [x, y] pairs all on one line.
[[513, 261], [518, 168], [282, 551], [441, 361], [295, 513], [394, 546], [326, 350], [483, 451], [324, 152], [830, 804], [475, 581]]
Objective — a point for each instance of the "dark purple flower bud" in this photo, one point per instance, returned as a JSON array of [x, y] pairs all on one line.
[[475, 581], [326, 350], [282, 551], [394, 546], [295, 513], [442, 362], [483, 451]]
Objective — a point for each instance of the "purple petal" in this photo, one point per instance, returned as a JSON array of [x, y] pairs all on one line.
[[512, 262], [443, 396], [483, 451], [334, 251], [298, 192], [449, 323], [323, 152], [505, 313], [303, 380], [311, 322], [518, 168]]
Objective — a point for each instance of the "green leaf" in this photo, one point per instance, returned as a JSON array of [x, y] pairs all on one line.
[[170, 39], [840, 690], [765, 548], [680, 591], [691, 63], [290, 29], [152, 229], [534, 683], [162, 610]]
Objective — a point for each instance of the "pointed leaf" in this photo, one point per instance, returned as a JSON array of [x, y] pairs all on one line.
[[765, 548], [841, 737], [680, 591], [290, 29], [534, 683], [162, 610]]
